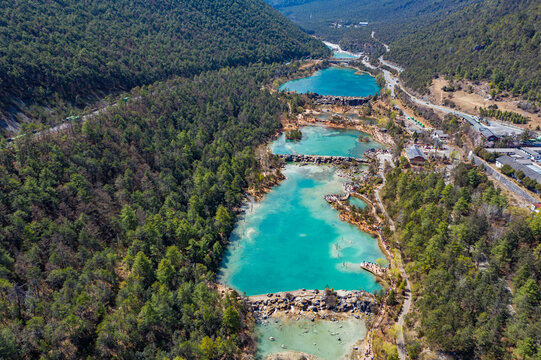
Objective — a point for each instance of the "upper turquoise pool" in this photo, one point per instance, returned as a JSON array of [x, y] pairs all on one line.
[[335, 81]]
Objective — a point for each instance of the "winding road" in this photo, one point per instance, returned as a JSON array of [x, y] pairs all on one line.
[[497, 127]]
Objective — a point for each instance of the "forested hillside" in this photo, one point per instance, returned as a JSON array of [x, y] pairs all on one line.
[[338, 20], [474, 262], [110, 232], [493, 40], [285, 3], [72, 51], [497, 40]]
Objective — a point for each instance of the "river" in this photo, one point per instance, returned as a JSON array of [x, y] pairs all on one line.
[[338, 53]]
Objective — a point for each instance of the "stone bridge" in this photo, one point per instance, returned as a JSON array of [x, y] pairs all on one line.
[[321, 159], [340, 100], [313, 303], [342, 60]]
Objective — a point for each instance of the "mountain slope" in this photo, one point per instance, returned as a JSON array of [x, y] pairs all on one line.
[[54, 51], [497, 40], [111, 234], [338, 20]]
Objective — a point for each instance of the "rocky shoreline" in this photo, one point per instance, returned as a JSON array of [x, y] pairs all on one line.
[[320, 159], [341, 100], [320, 304]]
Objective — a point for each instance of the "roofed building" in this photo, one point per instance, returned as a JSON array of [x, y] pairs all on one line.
[[488, 134], [528, 167], [415, 156]]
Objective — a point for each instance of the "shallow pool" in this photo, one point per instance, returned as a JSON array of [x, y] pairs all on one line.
[[320, 140], [324, 339]]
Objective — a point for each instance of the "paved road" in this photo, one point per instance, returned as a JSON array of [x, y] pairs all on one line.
[[502, 179], [497, 127], [66, 125]]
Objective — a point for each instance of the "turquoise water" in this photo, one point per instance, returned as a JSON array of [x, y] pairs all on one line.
[[357, 202], [301, 336], [293, 239], [319, 140], [343, 55], [335, 81]]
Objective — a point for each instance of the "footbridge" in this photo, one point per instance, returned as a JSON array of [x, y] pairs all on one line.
[[321, 159]]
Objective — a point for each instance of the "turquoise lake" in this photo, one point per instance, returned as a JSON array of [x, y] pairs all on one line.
[[343, 55], [294, 239], [319, 140], [335, 81]]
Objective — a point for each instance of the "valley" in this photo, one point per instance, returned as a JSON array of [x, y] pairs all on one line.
[[220, 180]]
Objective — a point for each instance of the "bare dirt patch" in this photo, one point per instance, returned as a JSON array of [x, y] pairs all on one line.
[[479, 97], [309, 64]]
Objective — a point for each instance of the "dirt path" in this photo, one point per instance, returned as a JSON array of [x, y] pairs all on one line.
[[401, 345]]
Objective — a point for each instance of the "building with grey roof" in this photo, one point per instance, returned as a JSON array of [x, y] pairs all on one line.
[[415, 155], [533, 152], [488, 134], [528, 167]]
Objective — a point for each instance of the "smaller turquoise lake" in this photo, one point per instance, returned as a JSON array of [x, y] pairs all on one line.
[[319, 140], [343, 55], [338, 53], [357, 202], [335, 81]]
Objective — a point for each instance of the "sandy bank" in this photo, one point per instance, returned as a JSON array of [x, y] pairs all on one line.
[[291, 355]]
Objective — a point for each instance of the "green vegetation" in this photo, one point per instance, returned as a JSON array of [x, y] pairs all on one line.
[[488, 156], [338, 20], [529, 183], [493, 40], [462, 246], [64, 53], [111, 232], [494, 112], [294, 135]]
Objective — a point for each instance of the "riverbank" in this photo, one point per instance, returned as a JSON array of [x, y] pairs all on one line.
[[291, 355], [337, 48], [367, 221]]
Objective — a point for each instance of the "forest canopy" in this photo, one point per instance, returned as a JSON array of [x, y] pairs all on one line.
[[474, 261], [497, 41], [77, 51], [111, 233]]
